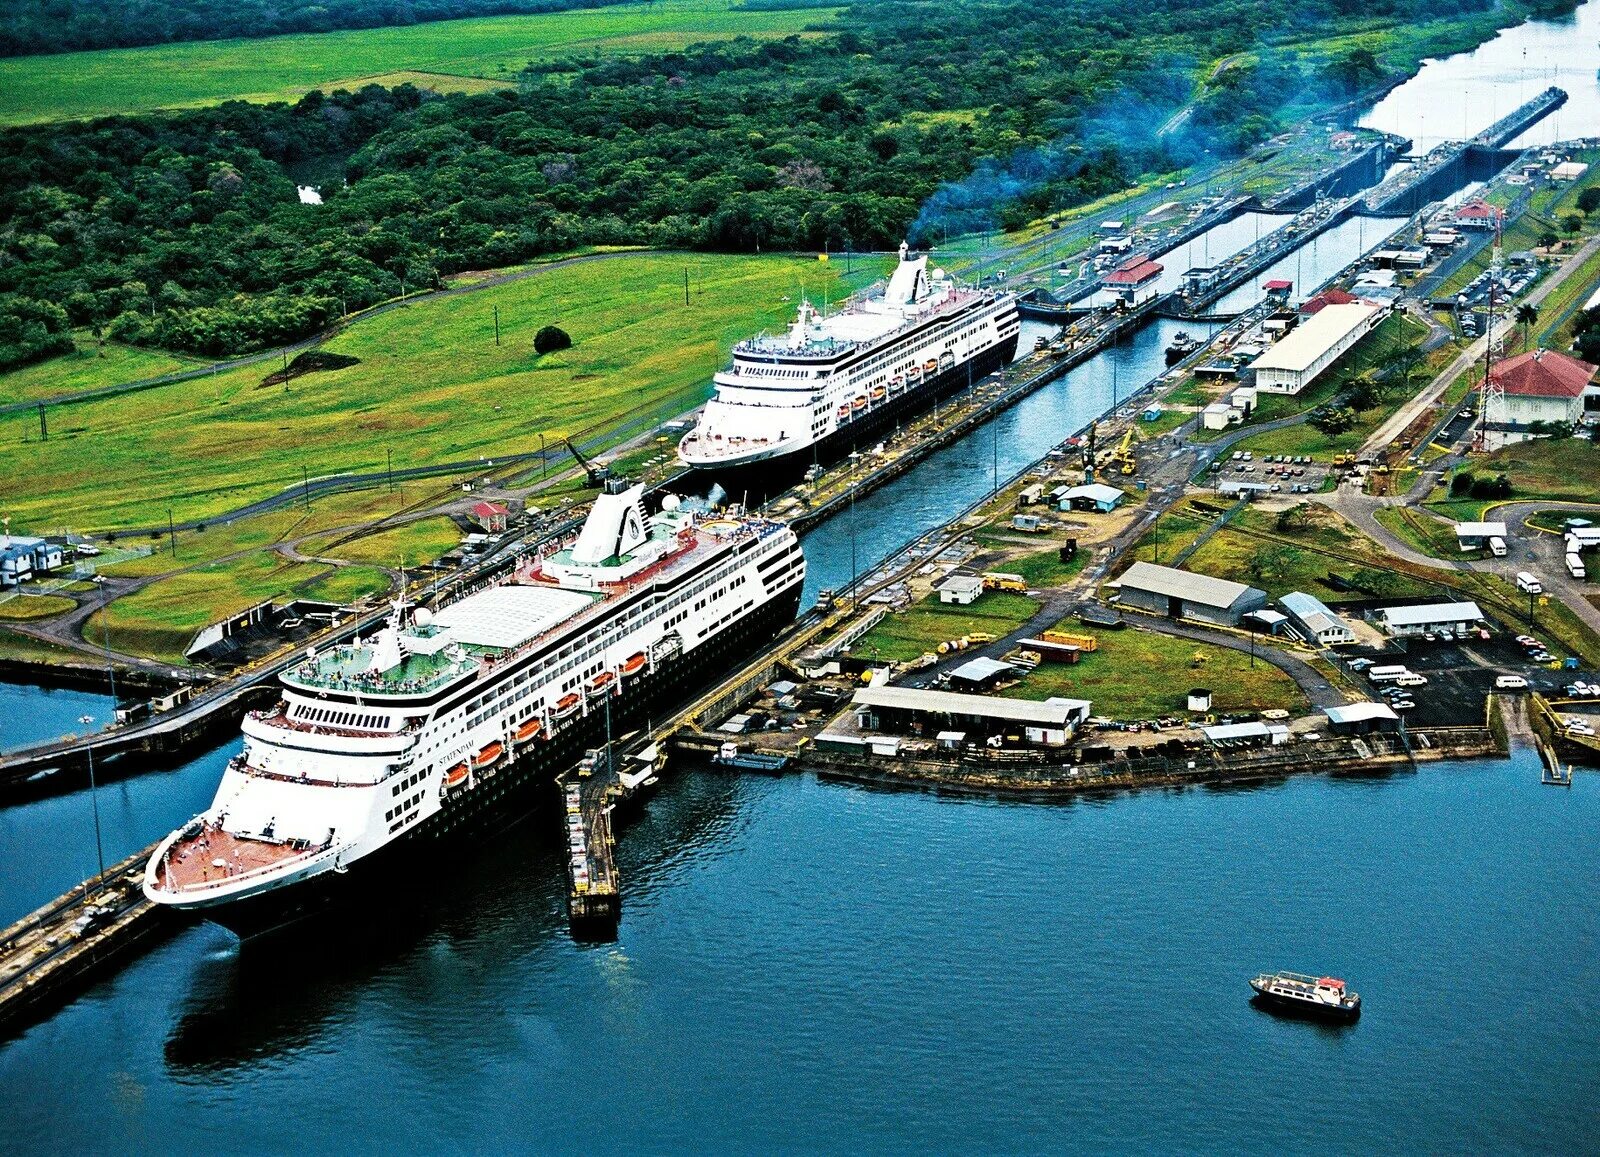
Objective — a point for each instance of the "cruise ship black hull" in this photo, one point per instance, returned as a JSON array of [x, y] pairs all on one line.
[[505, 797], [756, 481]]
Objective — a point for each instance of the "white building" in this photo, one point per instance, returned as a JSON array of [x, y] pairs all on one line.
[[1294, 363], [1218, 416], [1480, 535], [1416, 620], [961, 589], [1537, 386], [1315, 621]]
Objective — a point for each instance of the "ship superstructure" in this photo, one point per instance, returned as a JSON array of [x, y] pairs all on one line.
[[831, 383], [433, 724]]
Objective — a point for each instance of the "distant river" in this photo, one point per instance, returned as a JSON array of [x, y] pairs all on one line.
[[809, 966]]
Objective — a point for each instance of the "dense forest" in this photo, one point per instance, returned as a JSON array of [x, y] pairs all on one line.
[[34, 26], [183, 230]]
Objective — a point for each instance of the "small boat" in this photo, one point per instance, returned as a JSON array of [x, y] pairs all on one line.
[[844, 410], [567, 704], [1182, 346], [601, 681], [1323, 997], [456, 776], [634, 665], [860, 402], [488, 755], [930, 365], [529, 729], [878, 393], [1040, 342]]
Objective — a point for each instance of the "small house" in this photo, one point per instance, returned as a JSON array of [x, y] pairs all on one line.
[[961, 589], [1096, 496]]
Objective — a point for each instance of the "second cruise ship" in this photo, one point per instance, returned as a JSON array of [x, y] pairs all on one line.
[[832, 384]]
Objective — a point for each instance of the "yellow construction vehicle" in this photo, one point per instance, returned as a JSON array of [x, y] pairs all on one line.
[[1123, 458]]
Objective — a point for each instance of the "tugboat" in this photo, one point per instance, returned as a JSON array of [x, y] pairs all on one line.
[[1321, 997], [1182, 346]]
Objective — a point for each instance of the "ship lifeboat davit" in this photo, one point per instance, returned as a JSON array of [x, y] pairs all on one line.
[[844, 410], [529, 729], [930, 365], [878, 393], [488, 755], [567, 704], [456, 776], [634, 665]]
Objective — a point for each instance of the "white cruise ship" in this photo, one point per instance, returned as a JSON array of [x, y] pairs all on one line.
[[444, 721], [833, 384]]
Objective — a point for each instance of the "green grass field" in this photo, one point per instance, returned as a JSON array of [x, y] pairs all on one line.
[[160, 619], [26, 608], [416, 542], [907, 635], [432, 386], [87, 369], [1138, 674], [451, 55]]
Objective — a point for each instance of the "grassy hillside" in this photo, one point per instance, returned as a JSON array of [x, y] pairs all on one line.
[[432, 386], [452, 55]]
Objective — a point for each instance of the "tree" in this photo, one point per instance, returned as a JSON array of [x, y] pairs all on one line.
[[1292, 518], [1527, 314], [1572, 222], [1589, 199], [1362, 393], [551, 338], [1461, 484]]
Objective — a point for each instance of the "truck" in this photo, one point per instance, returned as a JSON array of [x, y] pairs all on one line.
[[1575, 566], [1001, 581], [1528, 583], [1387, 674]]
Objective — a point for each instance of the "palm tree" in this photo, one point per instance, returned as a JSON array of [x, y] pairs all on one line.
[[1527, 314]]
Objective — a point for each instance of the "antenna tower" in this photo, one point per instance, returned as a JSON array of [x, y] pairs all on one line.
[[1492, 396]]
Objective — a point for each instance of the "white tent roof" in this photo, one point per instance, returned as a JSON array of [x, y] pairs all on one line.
[[508, 615]]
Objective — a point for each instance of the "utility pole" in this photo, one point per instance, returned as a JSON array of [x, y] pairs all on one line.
[[286, 367], [305, 483], [391, 465], [44, 429], [172, 533], [685, 285], [497, 325]]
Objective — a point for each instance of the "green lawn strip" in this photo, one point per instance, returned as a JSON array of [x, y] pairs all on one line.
[[83, 84], [24, 649], [87, 369], [417, 542], [26, 608], [1136, 674], [1172, 532], [1422, 532], [431, 386], [159, 620], [1045, 569], [1554, 328], [1555, 521], [1559, 469], [921, 628]]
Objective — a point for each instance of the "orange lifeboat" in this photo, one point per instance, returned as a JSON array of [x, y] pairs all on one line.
[[529, 729], [634, 665], [929, 366], [878, 393], [488, 755], [600, 681], [844, 410], [456, 776], [567, 704], [860, 402]]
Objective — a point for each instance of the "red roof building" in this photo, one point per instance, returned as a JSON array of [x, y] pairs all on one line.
[[1540, 386], [1326, 298], [1477, 214], [1134, 272], [1277, 285], [1543, 374], [491, 516]]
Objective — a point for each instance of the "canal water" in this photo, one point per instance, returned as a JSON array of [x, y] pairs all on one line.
[[1460, 96], [35, 714], [817, 967], [804, 965]]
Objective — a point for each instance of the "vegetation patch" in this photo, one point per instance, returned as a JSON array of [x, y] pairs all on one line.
[[26, 608], [309, 362], [410, 545], [1139, 674], [920, 629]]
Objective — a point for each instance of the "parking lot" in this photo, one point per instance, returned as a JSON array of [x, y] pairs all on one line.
[[1285, 473]]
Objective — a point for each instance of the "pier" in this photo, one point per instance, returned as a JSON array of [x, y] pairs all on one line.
[[55, 950]]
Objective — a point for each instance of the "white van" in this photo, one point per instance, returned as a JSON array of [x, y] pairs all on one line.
[[1528, 584], [1410, 679], [1575, 566], [1510, 683], [1497, 546]]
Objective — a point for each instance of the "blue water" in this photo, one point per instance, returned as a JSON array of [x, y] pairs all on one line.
[[34, 715], [811, 966]]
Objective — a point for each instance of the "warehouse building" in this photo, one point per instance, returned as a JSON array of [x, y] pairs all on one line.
[[1092, 496], [1417, 620], [912, 710], [1134, 281], [1361, 718], [1481, 536], [1295, 362], [1315, 622], [1182, 594]]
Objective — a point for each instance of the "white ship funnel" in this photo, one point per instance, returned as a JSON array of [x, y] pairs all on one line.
[[614, 527], [910, 279]]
